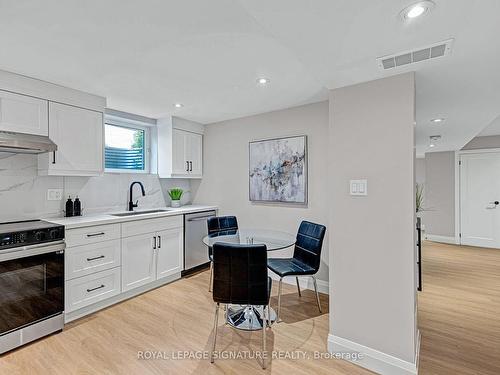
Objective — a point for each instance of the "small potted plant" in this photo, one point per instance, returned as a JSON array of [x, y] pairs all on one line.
[[175, 196]]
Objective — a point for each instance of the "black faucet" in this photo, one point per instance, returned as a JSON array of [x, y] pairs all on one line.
[[131, 204]]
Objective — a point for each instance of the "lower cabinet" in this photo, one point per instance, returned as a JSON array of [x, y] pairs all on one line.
[[169, 252], [138, 261], [86, 290], [103, 262], [151, 256]]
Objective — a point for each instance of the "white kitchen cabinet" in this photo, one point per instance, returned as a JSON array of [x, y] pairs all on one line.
[[153, 250], [179, 151], [169, 252], [138, 261], [23, 114], [78, 134], [90, 289]]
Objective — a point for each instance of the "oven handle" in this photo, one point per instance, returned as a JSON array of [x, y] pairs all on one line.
[[32, 250]]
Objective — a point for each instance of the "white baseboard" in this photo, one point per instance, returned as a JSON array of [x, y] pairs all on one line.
[[305, 282], [443, 239], [372, 359]]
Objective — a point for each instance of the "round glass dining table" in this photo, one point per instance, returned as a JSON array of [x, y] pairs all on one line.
[[249, 317]]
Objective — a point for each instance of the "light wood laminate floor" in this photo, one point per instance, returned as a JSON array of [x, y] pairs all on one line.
[[459, 318]]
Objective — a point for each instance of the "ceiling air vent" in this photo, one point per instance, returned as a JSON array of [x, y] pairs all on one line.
[[421, 54]]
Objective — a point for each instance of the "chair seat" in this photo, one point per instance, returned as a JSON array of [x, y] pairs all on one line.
[[289, 266]]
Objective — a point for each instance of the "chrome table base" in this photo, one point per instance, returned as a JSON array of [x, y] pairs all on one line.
[[248, 317]]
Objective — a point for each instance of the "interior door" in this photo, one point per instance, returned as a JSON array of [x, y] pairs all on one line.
[[138, 261], [169, 248], [78, 134], [479, 199]]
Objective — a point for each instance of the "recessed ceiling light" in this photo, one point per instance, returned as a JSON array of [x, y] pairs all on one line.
[[263, 81], [178, 105], [433, 139], [437, 120], [416, 10]]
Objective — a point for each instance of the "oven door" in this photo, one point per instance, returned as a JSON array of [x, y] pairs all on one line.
[[31, 285]]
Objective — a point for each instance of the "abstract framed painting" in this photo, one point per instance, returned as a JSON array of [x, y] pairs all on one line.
[[278, 170]]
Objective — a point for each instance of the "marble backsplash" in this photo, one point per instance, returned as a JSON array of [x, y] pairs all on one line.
[[23, 194]]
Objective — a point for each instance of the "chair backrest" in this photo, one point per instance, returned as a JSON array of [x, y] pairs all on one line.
[[309, 243], [221, 224], [240, 274]]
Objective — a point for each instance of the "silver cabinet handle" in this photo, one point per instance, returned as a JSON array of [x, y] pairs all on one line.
[[92, 289], [95, 258], [159, 242], [187, 166], [95, 234], [154, 242], [190, 166], [200, 218]]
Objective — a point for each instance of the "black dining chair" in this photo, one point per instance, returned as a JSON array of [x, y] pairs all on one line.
[[219, 225], [240, 277], [305, 261]]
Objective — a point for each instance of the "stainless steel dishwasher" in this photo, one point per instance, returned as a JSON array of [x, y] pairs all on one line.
[[195, 252]]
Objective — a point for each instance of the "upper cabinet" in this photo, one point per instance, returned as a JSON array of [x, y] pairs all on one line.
[[179, 148], [72, 119], [23, 114], [78, 134]]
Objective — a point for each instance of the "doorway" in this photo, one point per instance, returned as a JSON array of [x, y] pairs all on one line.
[[479, 198]]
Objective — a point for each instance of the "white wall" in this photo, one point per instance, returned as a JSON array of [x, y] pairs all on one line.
[[490, 141], [439, 217], [225, 170], [23, 194], [372, 238]]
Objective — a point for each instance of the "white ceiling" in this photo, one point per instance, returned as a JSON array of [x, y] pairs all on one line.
[[146, 55]]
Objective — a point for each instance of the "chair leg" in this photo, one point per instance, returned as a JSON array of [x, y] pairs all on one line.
[[317, 294], [211, 276], [264, 336], [279, 301], [215, 332], [298, 286]]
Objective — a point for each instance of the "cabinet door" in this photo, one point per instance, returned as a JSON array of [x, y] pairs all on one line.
[[138, 261], [78, 134], [23, 114], [195, 154], [179, 162], [170, 252]]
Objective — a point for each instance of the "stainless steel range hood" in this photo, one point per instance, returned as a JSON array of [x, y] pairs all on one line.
[[25, 143]]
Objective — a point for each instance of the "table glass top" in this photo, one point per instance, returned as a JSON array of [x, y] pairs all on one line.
[[274, 240]]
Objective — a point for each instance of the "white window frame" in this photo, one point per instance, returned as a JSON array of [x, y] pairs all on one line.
[[135, 125]]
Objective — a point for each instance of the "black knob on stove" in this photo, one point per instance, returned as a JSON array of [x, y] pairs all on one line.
[[40, 236]]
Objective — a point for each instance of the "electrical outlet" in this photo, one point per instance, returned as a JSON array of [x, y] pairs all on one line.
[[54, 194]]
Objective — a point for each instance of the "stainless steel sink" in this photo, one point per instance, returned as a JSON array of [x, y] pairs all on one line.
[[135, 213]]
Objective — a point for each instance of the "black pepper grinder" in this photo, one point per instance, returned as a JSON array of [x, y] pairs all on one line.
[[69, 207], [77, 207]]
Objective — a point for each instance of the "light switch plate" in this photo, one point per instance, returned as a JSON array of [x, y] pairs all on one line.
[[54, 194], [358, 187]]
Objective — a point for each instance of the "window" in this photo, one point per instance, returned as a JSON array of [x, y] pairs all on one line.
[[125, 147]]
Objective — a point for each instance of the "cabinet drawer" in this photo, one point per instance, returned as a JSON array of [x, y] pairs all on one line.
[[86, 259], [88, 235], [133, 228], [86, 290]]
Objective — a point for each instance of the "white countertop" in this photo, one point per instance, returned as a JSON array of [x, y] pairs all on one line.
[[107, 218]]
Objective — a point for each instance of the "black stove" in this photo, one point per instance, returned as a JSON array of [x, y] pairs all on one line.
[[31, 232], [31, 281]]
